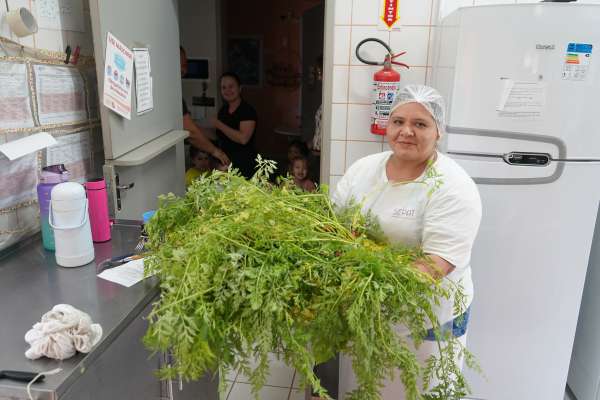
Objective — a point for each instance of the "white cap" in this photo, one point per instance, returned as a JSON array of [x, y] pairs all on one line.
[[426, 96]]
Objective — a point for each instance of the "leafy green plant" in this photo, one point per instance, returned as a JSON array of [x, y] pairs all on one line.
[[248, 268]]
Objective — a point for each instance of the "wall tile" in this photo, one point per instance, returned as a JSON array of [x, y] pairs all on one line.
[[26, 41], [337, 159], [358, 150], [428, 76], [414, 40], [279, 374], [49, 39], [81, 39], [361, 83], [370, 51], [4, 28], [365, 12], [359, 123], [12, 4], [414, 75], [341, 50], [241, 391], [415, 12], [339, 116], [343, 12], [340, 84], [448, 6]]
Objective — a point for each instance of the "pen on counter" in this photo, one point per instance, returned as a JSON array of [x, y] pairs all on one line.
[[119, 260], [68, 52]]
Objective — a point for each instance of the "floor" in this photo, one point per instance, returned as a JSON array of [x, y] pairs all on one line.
[[282, 384]]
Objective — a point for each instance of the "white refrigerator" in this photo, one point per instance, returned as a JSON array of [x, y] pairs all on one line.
[[523, 86]]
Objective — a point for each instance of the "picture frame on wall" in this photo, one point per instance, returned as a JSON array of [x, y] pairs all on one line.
[[245, 58]]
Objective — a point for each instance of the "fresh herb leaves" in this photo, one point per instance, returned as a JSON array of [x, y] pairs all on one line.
[[249, 268]]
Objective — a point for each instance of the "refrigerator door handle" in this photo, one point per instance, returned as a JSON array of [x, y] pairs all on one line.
[[522, 159]]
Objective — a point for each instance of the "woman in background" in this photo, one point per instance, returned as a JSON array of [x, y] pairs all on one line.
[[236, 125]]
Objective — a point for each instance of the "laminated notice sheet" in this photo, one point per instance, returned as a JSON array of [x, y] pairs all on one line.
[[15, 105], [18, 180], [118, 72], [74, 152], [60, 95], [522, 99], [143, 81]]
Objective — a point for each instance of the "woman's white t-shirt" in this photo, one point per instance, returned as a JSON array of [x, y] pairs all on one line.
[[443, 221]]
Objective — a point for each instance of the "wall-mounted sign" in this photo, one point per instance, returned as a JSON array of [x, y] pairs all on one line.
[[389, 14], [118, 72]]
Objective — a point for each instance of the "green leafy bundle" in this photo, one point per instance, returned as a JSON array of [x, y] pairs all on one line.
[[248, 268]]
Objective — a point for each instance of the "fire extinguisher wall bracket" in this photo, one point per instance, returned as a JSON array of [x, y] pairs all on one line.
[[386, 84]]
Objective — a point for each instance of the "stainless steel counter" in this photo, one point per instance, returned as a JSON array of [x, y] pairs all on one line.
[[31, 284]]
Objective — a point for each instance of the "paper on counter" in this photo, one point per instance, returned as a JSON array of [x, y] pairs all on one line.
[[126, 275], [21, 147]]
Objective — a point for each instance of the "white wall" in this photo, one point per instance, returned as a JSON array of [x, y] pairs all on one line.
[[356, 20], [199, 26], [50, 39]]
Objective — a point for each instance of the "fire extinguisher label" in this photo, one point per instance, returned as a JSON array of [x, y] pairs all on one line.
[[384, 94]]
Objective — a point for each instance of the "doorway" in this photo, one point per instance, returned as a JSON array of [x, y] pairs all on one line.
[[276, 48]]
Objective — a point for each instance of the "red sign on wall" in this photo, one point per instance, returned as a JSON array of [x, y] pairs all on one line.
[[390, 12]]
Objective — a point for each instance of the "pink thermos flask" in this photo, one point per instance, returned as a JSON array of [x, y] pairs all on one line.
[[98, 209]]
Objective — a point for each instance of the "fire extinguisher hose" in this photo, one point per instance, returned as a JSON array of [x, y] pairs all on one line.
[[391, 56]]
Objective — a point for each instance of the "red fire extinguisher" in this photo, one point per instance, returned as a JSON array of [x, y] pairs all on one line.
[[386, 84]]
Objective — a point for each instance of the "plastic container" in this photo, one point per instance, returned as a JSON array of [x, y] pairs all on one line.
[[147, 215], [50, 176], [71, 224], [98, 209]]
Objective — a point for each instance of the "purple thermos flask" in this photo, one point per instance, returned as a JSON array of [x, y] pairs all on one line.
[[98, 209], [51, 176]]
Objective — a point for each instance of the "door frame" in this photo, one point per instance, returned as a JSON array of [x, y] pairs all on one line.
[[327, 90]]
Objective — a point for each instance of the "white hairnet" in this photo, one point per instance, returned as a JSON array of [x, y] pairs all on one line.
[[428, 97]]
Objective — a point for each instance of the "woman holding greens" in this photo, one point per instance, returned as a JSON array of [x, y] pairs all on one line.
[[421, 198]]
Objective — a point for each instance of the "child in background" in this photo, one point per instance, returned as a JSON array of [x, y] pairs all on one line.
[[299, 167], [202, 163], [296, 149]]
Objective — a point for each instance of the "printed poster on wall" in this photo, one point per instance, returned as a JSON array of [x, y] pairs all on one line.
[[61, 95], [388, 15], [64, 15], [118, 73], [74, 151], [15, 108]]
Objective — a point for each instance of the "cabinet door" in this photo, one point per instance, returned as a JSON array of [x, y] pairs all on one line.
[[206, 388], [125, 371]]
